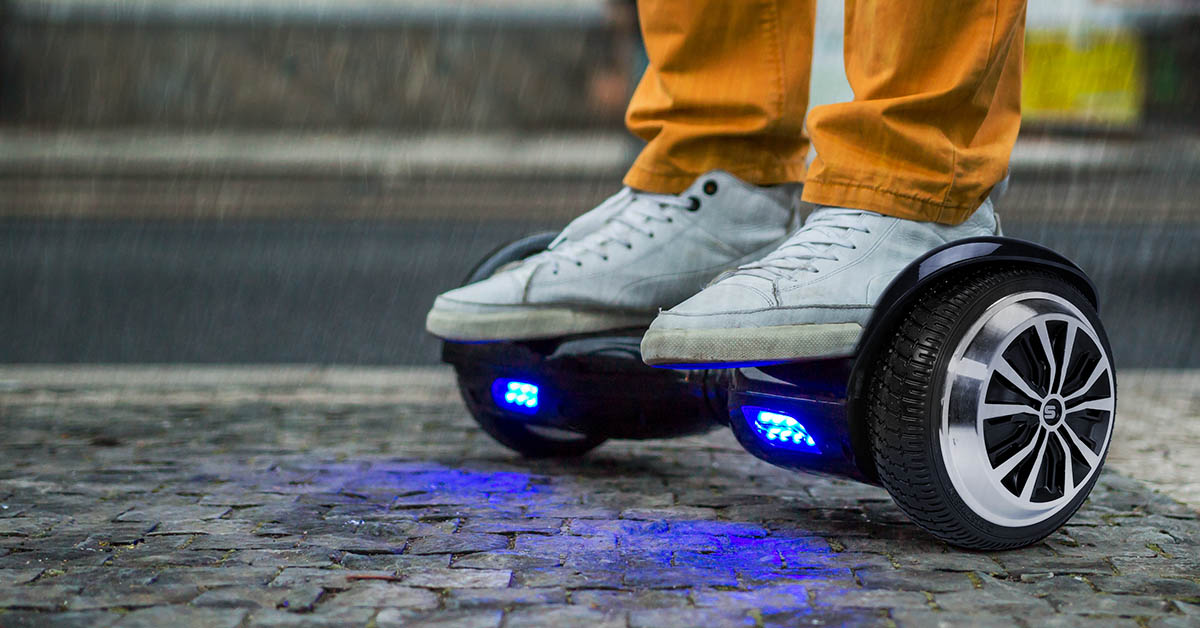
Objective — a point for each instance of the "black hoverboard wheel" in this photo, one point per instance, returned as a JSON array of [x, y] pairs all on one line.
[[563, 397], [981, 396], [990, 410]]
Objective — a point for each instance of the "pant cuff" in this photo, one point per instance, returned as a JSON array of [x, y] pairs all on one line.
[[640, 178], [886, 202]]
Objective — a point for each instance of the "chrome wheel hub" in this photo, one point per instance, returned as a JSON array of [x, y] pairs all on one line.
[[1027, 409]]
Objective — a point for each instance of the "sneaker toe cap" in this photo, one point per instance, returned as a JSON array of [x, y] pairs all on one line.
[[738, 306], [504, 289], [723, 304]]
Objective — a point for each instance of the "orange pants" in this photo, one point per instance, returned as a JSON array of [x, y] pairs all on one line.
[[935, 113]]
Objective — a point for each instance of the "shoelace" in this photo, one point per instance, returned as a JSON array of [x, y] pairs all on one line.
[[645, 208], [825, 230]]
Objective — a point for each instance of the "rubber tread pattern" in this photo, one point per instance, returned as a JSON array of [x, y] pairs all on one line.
[[898, 405]]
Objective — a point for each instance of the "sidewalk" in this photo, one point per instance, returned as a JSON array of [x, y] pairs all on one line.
[[307, 496], [1157, 439]]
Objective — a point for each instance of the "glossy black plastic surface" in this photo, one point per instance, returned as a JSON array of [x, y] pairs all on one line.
[[960, 255], [592, 384], [813, 393]]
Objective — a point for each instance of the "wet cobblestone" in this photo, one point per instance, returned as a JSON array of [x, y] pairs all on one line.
[[270, 505]]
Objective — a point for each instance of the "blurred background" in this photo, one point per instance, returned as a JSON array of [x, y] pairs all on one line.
[[271, 181]]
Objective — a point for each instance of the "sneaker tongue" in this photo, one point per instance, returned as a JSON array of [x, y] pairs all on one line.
[[615, 221], [828, 215], [812, 240], [571, 246]]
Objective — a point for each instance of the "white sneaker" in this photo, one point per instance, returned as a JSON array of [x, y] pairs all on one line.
[[617, 265], [809, 298]]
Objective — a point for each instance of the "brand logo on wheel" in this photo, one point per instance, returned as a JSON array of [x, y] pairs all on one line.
[[1052, 412]]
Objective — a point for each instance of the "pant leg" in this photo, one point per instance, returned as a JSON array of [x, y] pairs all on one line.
[[937, 87], [726, 87]]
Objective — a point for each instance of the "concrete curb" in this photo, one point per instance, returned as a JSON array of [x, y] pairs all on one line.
[[488, 176], [366, 12], [14, 378], [316, 155], [505, 153]]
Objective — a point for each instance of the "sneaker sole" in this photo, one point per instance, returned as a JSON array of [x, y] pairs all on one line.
[[754, 345], [527, 323]]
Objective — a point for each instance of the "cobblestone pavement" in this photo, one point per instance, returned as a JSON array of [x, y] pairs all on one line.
[[301, 500], [1158, 431]]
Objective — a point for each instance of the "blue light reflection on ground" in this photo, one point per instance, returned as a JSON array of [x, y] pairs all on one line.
[[545, 522]]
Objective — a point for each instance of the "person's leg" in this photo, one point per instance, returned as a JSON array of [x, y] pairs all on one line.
[[904, 168], [936, 109], [722, 109], [726, 88]]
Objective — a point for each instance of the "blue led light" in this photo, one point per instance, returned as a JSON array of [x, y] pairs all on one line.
[[521, 394], [780, 430], [516, 395]]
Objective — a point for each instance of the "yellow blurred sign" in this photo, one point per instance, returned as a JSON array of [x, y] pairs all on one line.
[[1093, 78]]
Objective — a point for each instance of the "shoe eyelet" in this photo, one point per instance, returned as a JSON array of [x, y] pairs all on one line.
[[651, 234], [605, 258], [710, 187], [670, 219], [695, 203], [629, 246], [580, 264]]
